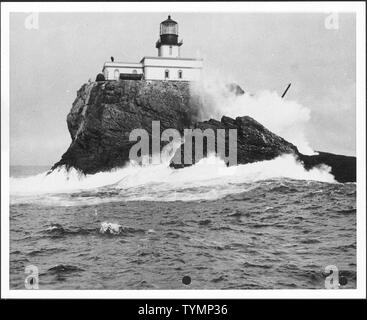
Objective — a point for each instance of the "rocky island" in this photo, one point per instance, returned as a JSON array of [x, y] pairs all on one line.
[[105, 112]]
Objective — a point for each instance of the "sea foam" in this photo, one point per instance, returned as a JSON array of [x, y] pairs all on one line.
[[209, 179]]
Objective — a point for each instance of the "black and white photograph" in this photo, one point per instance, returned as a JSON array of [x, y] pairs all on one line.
[[170, 149]]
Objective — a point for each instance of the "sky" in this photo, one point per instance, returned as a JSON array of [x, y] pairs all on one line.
[[259, 51]]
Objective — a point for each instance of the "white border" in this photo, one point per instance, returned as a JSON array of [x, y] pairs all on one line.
[[355, 7]]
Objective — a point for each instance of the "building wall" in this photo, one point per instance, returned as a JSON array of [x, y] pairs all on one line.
[[169, 51], [158, 73], [155, 68], [110, 73]]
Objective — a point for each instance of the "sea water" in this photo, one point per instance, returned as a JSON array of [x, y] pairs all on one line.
[[266, 225]]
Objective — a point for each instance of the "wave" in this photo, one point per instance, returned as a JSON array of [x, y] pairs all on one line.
[[209, 179], [106, 228], [112, 228], [57, 231], [64, 268]]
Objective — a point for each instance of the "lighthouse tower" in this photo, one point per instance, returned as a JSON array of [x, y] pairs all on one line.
[[168, 45]]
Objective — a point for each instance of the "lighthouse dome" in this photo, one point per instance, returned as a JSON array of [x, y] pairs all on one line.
[[169, 26]]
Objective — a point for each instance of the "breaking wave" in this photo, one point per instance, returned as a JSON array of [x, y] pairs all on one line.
[[209, 179]]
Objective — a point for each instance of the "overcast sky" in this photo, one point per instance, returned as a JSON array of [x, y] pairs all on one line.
[[258, 51]]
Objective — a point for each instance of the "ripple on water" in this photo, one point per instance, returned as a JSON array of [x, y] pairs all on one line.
[[275, 234]]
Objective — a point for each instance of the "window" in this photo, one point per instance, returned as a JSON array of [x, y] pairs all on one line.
[[180, 74], [170, 50], [116, 74], [135, 72], [166, 74]]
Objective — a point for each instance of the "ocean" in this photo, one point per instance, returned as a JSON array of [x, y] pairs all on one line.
[[267, 225]]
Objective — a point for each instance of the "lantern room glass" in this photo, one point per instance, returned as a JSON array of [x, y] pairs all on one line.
[[169, 28]]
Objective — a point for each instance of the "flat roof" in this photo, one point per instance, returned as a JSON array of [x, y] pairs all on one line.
[[121, 62], [168, 58]]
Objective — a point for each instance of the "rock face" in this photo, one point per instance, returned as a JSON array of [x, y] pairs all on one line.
[[105, 112], [254, 141]]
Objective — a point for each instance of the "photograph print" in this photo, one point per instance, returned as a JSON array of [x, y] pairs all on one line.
[[171, 149]]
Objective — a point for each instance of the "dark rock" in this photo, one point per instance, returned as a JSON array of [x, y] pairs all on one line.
[[100, 77], [105, 112], [342, 167], [254, 141]]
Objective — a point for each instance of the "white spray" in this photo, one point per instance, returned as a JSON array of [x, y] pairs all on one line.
[[284, 117]]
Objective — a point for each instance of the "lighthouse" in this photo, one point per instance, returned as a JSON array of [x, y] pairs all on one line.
[[167, 66], [168, 44]]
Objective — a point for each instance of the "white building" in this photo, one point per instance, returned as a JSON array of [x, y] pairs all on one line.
[[168, 65]]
